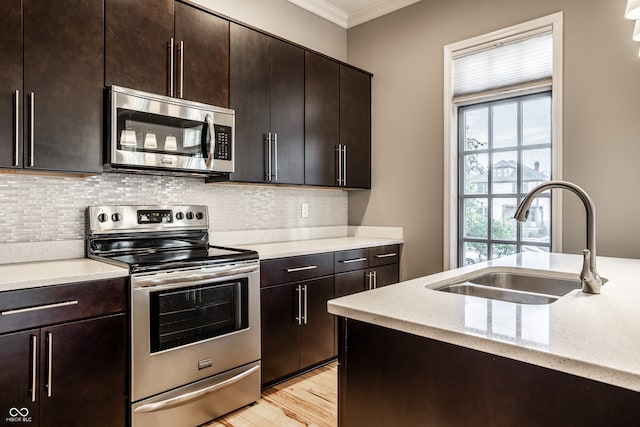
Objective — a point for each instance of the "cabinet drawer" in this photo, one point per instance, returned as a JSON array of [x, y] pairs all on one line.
[[293, 269], [28, 308], [355, 259], [383, 255]]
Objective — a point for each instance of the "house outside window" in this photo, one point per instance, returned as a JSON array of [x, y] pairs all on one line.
[[503, 104]]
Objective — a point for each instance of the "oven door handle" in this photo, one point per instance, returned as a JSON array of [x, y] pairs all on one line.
[[179, 278], [194, 395]]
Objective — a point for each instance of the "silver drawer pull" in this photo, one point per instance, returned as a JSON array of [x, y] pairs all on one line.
[[308, 267], [349, 261], [385, 255], [38, 307]]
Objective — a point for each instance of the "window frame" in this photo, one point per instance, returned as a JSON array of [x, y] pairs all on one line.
[[552, 23]]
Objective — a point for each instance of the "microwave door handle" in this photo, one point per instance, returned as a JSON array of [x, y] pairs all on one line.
[[212, 143]]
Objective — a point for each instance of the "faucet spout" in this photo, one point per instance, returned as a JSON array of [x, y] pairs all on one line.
[[591, 281]]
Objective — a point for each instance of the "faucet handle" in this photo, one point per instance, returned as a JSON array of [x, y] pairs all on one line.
[[586, 274], [591, 282]]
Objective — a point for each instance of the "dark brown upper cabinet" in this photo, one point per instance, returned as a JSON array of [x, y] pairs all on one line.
[[168, 48], [52, 85], [267, 94], [355, 127], [11, 84], [321, 120], [337, 124]]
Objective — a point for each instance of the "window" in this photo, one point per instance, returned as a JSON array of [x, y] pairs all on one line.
[[504, 151], [502, 138]]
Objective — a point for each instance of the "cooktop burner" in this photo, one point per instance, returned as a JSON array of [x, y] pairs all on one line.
[[153, 238]]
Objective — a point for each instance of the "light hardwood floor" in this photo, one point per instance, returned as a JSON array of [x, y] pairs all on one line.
[[307, 400]]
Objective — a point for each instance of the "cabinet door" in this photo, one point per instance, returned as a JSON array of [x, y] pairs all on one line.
[[280, 347], [286, 65], [204, 58], [64, 70], [10, 82], [355, 125], [84, 373], [317, 339], [249, 97], [351, 282], [321, 119], [137, 37], [17, 377], [386, 275]]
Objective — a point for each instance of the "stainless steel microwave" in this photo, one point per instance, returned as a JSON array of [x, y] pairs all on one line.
[[158, 134]]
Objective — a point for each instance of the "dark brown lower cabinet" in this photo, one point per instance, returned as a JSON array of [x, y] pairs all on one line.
[[70, 368], [362, 280], [297, 330], [391, 378]]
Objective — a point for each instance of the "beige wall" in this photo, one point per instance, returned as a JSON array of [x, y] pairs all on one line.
[[601, 153], [286, 20]]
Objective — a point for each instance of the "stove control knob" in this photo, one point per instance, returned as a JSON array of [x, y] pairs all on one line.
[[179, 215], [116, 217], [199, 215], [103, 217], [189, 215]]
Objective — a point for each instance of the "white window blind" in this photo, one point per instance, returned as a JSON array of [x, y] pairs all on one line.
[[504, 66]]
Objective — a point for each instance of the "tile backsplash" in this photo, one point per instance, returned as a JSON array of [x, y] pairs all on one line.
[[52, 208]]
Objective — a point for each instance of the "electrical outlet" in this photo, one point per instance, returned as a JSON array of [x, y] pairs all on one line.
[[305, 210]]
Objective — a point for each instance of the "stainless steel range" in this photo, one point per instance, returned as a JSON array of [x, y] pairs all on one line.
[[195, 313]]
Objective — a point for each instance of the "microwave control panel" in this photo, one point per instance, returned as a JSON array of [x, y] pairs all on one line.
[[222, 147]]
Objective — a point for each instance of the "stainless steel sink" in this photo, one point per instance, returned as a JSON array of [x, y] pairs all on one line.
[[513, 287]]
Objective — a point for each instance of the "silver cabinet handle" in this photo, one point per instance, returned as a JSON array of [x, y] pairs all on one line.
[[267, 175], [181, 56], [32, 117], [369, 280], [339, 164], [275, 156], [306, 310], [34, 365], [170, 47], [16, 159], [375, 279], [349, 261], [38, 307], [385, 255], [307, 267], [344, 167], [49, 385], [299, 292], [194, 395]]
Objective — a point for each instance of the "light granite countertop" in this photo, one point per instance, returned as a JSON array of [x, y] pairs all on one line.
[[306, 247], [46, 273], [592, 336]]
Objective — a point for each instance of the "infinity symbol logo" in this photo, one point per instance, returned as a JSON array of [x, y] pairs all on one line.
[[14, 412]]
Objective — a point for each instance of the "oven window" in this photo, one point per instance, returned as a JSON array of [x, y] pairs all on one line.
[[188, 315]]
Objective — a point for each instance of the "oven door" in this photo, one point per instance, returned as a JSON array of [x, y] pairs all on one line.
[[192, 324]]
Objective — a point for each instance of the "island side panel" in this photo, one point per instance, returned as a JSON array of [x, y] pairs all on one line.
[[393, 378]]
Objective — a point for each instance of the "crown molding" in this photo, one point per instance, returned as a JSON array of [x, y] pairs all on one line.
[[324, 10], [346, 20], [376, 10]]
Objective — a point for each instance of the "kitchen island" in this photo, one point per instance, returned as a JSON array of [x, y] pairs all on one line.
[[417, 356]]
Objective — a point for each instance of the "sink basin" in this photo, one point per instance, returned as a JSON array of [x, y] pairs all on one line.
[[514, 287]]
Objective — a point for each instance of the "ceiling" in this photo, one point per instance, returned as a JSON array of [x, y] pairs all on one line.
[[349, 13]]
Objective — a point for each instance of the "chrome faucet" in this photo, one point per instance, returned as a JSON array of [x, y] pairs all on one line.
[[591, 281]]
